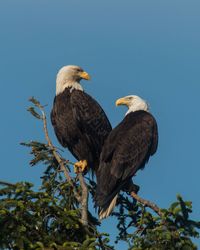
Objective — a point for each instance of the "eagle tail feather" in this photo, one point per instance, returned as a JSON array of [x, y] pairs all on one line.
[[104, 213]]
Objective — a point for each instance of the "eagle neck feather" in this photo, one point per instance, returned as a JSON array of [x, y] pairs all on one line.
[[137, 108], [69, 84]]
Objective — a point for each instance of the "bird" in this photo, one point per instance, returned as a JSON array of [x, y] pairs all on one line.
[[79, 122], [126, 150]]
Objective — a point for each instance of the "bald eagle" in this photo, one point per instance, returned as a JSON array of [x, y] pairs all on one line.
[[79, 122], [126, 150]]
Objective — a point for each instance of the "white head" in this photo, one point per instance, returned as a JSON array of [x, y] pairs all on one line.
[[134, 103], [70, 76]]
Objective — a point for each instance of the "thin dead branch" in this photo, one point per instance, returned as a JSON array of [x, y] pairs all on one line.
[[57, 157], [7, 183], [83, 199], [147, 203]]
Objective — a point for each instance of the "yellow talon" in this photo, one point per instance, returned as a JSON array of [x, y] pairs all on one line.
[[80, 166]]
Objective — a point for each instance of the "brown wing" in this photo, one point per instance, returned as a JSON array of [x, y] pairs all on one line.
[[127, 149], [91, 120], [80, 124]]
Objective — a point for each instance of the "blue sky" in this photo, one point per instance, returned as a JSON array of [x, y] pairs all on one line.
[[148, 48]]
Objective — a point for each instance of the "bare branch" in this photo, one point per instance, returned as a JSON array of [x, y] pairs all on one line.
[[147, 203], [84, 200], [7, 183], [56, 155]]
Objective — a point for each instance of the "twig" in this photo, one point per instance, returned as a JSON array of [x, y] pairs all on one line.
[[147, 203], [84, 200], [7, 183], [58, 158]]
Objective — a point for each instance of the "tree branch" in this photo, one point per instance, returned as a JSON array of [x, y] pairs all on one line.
[[84, 200], [7, 183], [147, 203], [56, 155]]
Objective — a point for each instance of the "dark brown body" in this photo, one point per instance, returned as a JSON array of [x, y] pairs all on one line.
[[80, 124], [126, 150]]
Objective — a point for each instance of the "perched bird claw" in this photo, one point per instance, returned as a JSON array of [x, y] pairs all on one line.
[[80, 166]]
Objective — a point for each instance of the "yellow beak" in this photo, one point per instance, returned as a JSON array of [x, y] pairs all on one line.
[[85, 75], [121, 101]]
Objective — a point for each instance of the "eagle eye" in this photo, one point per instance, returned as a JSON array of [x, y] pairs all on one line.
[[79, 70]]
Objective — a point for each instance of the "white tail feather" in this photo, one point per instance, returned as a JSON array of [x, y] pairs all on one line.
[[105, 213]]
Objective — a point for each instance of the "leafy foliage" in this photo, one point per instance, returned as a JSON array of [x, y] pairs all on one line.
[[50, 217], [173, 230], [34, 220]]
